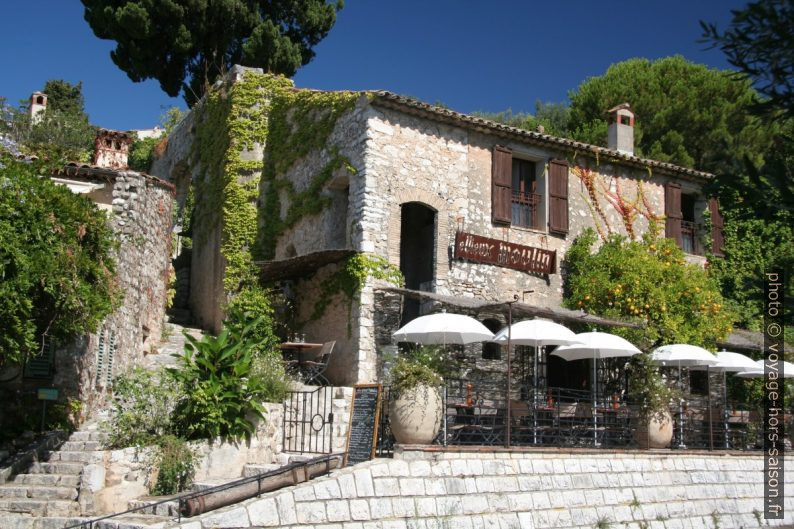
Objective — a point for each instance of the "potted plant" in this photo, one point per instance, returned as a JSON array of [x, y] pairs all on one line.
[[416, 408], [652, 395]]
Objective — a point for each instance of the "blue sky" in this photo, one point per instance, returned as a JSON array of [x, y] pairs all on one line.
[[470, 55]]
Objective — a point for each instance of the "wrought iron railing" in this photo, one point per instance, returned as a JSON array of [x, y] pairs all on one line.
[[559, 417], [526, 210], [689, 242]]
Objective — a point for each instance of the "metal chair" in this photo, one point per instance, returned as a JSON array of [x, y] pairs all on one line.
[[313, 371]]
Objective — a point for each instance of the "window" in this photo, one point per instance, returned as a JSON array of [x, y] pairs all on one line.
[[518, 188], [525, 199], [490, 350], [688, 227], [698, 382]]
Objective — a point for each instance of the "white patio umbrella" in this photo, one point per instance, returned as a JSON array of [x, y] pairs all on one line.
[[596, 345], [536, 333], [443, 328], [758, 372], [682, 354], [728, 362]]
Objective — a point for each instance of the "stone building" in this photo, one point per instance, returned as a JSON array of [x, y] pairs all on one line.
[[139, 208], [472, 212]]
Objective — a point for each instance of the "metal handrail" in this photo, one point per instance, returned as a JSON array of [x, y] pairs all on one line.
[[183, 499]]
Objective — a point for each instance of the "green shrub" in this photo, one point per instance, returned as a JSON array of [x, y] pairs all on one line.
[[176, 464], [142, 409], [648, 389], [56, 266], [649, 282], [222, 394], [422, 365]]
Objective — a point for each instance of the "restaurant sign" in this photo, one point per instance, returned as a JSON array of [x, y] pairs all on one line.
[[502, 253]]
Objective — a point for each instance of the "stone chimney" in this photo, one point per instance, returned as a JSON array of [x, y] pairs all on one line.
[[38, 104], [111, 149], [620, 131]]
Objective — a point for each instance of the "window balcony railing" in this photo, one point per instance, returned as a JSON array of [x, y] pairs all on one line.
[[526, 210], [689, 242]]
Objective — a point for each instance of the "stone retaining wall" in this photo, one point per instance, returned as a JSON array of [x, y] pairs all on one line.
[[518, 489]]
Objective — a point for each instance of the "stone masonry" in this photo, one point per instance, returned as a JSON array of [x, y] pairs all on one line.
[[141, 219], [405, 152], [513, 489]]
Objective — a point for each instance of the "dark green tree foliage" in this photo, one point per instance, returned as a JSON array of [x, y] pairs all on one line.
[[686, 113], [62, 96], [552, 116], [63, 133], [760, 43], [187, 44], [56, 271]]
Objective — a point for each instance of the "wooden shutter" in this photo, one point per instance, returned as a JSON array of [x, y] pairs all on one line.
[[558, 196], [502, 181], [717, 222], [672, 210]]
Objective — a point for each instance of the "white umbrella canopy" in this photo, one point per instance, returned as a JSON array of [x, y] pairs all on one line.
[[682, 355], [596, 345], [758, 372], [443, 328], [537, 333], [733, 362]]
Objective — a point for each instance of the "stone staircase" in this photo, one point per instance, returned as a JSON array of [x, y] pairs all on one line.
[[46, 496]]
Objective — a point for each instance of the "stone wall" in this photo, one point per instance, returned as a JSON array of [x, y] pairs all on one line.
[[118, 476], [515, 489], [141, 220]]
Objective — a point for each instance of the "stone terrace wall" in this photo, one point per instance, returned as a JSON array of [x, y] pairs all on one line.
[[468, 490], [141, 220]]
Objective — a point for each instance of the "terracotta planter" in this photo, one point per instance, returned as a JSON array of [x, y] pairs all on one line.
[[415, 416], [656, 433]]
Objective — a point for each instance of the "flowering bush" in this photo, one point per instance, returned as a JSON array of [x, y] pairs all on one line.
[[649, 282]]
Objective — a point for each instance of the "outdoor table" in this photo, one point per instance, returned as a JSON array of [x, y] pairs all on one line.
[[292, 351]]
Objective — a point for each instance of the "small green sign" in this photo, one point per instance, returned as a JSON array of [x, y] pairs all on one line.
[[48, 394]]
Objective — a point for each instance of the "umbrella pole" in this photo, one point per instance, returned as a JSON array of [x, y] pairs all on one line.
[[509, 344], [711, 429], [725, 407], [535, 397], [595, 399], [680, 409]]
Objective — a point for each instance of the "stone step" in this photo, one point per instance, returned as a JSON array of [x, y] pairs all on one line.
[[15, 490], [69, 456], [76, 446], [87, 435], [56, 467], [152, 505], [26, 521], [253, 470], [38, 507], [49, 480], [58, 522], [133, 521]]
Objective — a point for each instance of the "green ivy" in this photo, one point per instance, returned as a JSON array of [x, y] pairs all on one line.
[[350, 277]]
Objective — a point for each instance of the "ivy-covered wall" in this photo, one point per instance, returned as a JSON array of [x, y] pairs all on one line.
[[273, 170]]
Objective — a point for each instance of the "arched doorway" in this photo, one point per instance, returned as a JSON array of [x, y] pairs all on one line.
[[417, 252]]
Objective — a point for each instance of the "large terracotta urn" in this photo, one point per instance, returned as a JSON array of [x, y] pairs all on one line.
[[415, 416], [655, 432]]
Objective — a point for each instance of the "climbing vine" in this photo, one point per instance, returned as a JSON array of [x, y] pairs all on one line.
[[349, 279], [628, 205], [300, 122]]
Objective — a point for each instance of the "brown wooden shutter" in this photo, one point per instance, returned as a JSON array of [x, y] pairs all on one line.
[[672, 210], [502, 181], [558, 196], [717, 222]]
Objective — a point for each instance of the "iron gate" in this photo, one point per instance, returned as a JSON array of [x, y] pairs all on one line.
[[309, 421]]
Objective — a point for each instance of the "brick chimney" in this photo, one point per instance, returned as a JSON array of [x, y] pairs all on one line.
[[38, 104], [620, 131], [111, 149]]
